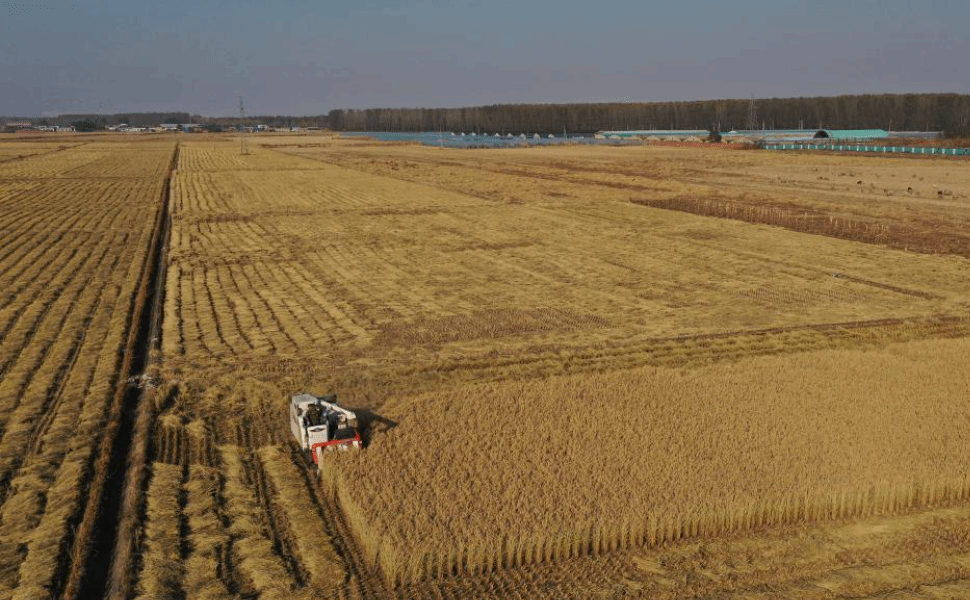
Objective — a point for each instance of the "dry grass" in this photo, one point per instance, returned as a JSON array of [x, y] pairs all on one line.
[[45, 543], [917, 556], [208, 539]]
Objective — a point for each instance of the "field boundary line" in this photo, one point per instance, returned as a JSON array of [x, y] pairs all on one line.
[[811, 221], [120, 580], [90, 553], [48, 153]]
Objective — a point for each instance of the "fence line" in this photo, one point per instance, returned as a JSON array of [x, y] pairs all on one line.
[[872, 148]]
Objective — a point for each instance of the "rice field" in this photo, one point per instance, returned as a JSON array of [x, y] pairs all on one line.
[[576, 465], [623, 372], [76, 220]]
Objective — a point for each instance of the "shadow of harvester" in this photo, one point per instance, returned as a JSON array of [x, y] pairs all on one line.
[[369, 423]]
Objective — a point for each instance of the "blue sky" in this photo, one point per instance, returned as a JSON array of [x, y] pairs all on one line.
[[301, 57]]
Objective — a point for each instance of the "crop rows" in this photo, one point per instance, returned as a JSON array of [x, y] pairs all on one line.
[[145, 160], [268, 264], [497, 314], [244, 516], [70, 263], [378, 288], [220, 156]]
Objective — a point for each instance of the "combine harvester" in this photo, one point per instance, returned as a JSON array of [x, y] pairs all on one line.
[[320, 424]]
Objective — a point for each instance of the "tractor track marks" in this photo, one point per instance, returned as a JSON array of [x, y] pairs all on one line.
[[891, 288], [274, 523], [40, 154]]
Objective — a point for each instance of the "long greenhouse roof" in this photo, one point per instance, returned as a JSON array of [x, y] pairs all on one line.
[[649, 132], [852, 134]]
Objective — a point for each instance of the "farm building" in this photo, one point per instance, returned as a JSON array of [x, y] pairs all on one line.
[[746, 135], [804, 135], [11, 126], [851, 134], [652, 133]]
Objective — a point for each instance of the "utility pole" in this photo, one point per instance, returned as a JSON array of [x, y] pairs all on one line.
[[243, 142], [752, 115]]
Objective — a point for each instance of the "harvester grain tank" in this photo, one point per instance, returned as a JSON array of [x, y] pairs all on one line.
[[320, 424]]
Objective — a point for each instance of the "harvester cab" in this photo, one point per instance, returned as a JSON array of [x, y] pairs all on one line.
[[320, 424]]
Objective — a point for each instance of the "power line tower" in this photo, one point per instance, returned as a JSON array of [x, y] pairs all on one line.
[[243, 141], [752, 115]]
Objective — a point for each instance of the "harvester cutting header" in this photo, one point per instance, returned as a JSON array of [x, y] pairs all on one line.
[[320, 424]]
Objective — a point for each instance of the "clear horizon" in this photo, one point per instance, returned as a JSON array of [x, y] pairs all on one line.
[[299, 58]]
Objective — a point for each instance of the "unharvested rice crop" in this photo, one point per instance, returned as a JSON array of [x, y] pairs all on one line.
[[505, 474]]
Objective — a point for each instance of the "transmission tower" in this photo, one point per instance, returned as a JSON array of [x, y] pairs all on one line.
[[243, 141], [752, 115]]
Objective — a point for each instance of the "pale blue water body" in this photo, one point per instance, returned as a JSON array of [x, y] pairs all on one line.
[[473, 140]]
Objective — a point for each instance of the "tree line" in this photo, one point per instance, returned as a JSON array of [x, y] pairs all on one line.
[[948, 113]]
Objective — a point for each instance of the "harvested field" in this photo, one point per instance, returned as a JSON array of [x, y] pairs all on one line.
[[582, 372], [76, 222]]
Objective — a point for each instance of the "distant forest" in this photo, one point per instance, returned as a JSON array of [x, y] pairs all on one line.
[[949, 113]]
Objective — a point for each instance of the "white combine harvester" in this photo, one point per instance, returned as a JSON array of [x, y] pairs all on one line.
[[319, 424]]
